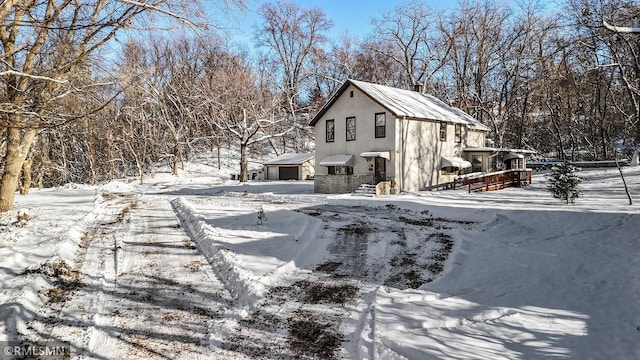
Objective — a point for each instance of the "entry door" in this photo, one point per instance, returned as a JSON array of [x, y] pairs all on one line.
[[380, 169]]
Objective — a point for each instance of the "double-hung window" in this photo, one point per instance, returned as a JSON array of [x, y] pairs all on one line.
[[458, 133], [340, 170], [351, 128], [331, 130], [381, 125], [443, 131]]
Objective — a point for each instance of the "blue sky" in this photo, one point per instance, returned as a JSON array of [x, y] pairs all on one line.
[[347, 15], [355, 15]]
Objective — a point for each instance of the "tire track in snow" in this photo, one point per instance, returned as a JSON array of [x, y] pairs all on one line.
[[146, 291], [170, 299], [27, 303]]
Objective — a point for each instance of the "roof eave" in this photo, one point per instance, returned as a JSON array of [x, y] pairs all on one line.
[[337, 95], [329, 103], [399, 115]]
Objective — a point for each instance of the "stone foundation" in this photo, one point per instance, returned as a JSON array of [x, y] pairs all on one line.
[[340, 184]]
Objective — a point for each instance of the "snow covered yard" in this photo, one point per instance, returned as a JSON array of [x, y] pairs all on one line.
[[180, 268]]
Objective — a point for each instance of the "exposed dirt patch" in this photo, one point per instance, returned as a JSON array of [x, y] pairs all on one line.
[[315, 292], [328, 267], [441, 253], [461, 222], [189, 244], [250, 339], [65, 280], [356, 229], [417, 244], [407, 271], [313, 337], [445, 240], [132, 204], [196, 265], [417, 222], [298, 324]]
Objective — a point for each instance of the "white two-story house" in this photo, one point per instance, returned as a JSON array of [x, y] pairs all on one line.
[[368, 133]]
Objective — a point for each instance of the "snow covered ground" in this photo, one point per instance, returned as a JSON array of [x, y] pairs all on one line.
[[181, 268]]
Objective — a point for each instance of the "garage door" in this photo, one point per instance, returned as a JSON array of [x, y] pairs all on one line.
[[289, 173], [272, 173]]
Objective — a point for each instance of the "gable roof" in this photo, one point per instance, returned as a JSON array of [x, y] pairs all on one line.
[[291, 159], [406, 103]]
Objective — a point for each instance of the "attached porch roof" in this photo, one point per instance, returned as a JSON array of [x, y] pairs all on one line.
[[510, 156], [382, 154], [454, 161], [337, 160]]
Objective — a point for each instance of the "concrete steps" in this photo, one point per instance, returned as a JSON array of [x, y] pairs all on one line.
[[365, 190]]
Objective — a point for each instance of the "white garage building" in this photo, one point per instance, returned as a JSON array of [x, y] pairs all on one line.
[[290, 167]]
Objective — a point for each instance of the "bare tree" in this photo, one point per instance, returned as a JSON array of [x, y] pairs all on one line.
[[616, 47], [292, 34], [371, 64], [417, 47], [245, 111], [44, 44]]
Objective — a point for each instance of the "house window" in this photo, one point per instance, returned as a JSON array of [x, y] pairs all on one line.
[[340, 170], [493, 164], [443, 131], [458, 133], [350, 93], [351, 128], [476, 163], [381, 125], [449, 170], [331, 130]]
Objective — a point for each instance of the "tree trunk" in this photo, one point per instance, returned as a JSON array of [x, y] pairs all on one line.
[[219, 164], [244, 163], [174, 166], [17, 150], [603, 141], [624, 182], [273, 146], [26, 177]]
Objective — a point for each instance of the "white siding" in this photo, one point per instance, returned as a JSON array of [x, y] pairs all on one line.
[[364, 110], [414, 145]]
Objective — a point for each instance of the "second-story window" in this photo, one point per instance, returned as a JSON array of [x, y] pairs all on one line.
[[443, 131], [351, 128], [381, 125], [331, 130], [458, 133]]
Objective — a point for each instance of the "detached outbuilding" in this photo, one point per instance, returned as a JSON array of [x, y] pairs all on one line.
[[290, 167]]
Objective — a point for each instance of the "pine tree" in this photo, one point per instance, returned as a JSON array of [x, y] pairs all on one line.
[[563, 182]]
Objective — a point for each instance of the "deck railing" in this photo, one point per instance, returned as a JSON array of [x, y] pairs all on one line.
[[495, 180]]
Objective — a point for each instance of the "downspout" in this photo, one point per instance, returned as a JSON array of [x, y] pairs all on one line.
[[403, 153]]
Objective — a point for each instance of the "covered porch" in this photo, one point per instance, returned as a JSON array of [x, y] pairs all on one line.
[[490, 159]]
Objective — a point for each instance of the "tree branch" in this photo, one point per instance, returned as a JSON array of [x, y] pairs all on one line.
[[157, 9], [621, 29], [36, 77]]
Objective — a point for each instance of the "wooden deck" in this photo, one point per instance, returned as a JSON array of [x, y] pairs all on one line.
[[495, 180]]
